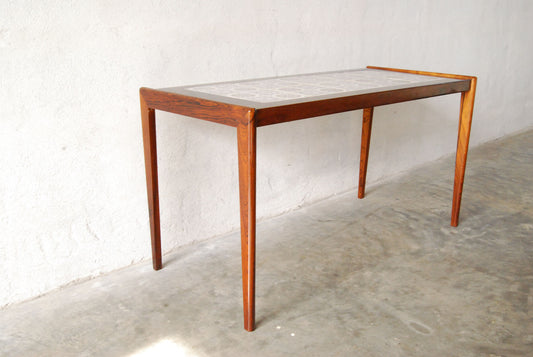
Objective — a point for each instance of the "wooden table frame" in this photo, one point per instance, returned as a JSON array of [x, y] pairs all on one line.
[[248, 118]]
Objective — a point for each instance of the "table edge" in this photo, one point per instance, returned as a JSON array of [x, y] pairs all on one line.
[[200, 108], [234, 114], [291, 112]]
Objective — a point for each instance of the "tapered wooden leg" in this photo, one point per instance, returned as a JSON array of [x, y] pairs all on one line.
[[365, 146], [246, 139], [463, 137], [150, 160]]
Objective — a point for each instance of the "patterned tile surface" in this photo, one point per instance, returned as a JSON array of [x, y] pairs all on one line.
[[312, 85]]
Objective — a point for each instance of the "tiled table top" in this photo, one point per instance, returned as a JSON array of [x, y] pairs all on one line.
[[312, 85]]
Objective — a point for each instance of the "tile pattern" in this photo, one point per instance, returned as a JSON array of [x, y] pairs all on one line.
[[311, 85]]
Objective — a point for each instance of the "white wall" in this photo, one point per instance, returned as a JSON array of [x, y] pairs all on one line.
[[72, 189]]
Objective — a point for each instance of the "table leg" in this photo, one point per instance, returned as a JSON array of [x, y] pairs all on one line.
[[150, 160], [463, 137], [246, 140], [365, 146]]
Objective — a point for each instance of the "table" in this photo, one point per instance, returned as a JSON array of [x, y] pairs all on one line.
[[250, 104]]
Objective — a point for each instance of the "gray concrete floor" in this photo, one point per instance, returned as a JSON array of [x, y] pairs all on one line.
[[383, 276]]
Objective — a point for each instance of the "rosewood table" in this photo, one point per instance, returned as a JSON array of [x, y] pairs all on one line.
[[250, 104]]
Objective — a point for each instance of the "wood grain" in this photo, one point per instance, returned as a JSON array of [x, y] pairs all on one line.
[[424, 73], [246, 143], [286, 113], [463, 138], [365, 147], [204, 109], [150, 160]]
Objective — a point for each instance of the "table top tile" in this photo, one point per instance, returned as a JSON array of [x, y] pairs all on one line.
[[297, 87]]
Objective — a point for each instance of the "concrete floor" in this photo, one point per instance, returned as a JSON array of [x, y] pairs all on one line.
[[383, 276]]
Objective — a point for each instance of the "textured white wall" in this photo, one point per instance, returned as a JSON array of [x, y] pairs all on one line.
[[72, 189]]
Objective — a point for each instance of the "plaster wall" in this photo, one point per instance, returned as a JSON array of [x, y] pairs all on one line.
[[72, 189]]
